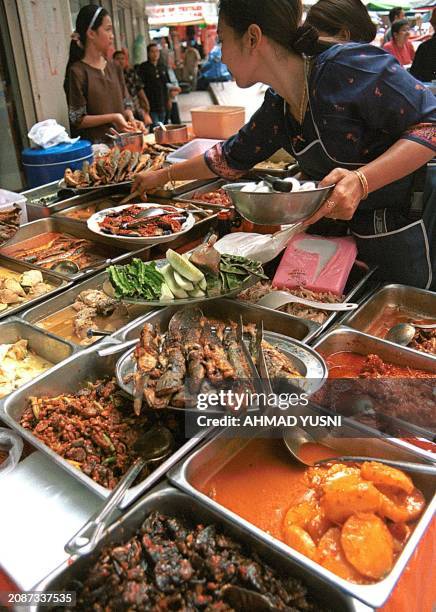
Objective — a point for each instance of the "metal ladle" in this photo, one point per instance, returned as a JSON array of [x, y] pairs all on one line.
[[296, 437], [66, 266], [153, 446], [276, 184], [403, 333]]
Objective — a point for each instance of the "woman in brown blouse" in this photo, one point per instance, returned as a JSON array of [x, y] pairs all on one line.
[[96, 92]]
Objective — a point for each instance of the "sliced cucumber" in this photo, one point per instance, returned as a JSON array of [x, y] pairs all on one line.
[[166, 293], [182, 283], [183, 267], [167, 273], [203, 284], [196, 293]]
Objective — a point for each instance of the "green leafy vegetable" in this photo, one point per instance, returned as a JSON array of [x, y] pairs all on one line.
[[136, 280]]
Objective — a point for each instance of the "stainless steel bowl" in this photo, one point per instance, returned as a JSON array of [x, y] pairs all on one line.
[[276, 208]]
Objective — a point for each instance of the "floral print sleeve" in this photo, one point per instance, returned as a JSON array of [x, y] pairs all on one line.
[[77, 104], [262, 136], [367, 86]]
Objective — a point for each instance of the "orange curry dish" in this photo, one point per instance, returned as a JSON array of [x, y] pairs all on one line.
[[353, 519]]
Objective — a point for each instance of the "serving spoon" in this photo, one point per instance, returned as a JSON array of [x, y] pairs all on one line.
[[66, 266], [276, 299], [153, 446], [403, 333], [295, 438]]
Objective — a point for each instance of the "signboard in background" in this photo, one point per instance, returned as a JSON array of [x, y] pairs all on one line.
[[181, 14]]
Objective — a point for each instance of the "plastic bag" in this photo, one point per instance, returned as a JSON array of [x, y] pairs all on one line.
[[13, 444], [260, 247], [49, 133]]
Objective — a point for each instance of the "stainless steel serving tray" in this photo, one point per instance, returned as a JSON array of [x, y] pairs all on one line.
[[172, 502], [272, 321], [213, 186], [221, 448], [401, 297], [305, 360], [19, 266], [102, 201], [67, 298], [345, 339], [37, 210], [359, 286], [66, 226], [177, 191], [45, 345], [67, 377]]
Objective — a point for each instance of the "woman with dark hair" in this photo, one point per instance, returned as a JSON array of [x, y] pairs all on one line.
[[349, 115], [96, 92], [344, 20]]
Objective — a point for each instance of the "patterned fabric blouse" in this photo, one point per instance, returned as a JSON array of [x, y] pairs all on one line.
[[361, 101]]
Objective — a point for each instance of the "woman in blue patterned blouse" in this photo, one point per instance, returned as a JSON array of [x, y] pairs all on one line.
[[350, 115]]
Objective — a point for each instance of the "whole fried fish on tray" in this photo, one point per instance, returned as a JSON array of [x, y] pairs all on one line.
[[197, 355]]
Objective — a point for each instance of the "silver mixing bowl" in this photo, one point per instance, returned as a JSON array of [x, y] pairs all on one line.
[[276, 208]]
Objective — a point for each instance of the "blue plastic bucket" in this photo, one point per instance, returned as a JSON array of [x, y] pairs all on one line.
[[43, 166]]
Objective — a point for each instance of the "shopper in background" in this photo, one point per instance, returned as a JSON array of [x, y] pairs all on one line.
[[173, 113], [395, 14], [135, 87], [96, 92], [155, 79], [424, 64], [343, 20], [400, 45], [350, 117], [191, 62]]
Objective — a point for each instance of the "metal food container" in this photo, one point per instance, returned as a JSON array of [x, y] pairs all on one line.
[[213, 186], [45, 345], [222, 308], [39, 208], [84, 202], [110, 253], [45, 201], [67, 377], [172, 502], [276, 208], [221, 448], [172, 134], [359, 285], [18, 266], [67, 298], [345, 339], [398, 297], [132, 141], [178, 189]]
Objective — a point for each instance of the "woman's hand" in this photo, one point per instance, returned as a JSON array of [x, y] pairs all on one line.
[[150, 179], [120, 122], [344, 199]]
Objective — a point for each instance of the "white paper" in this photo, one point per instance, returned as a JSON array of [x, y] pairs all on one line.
[[42, 507]]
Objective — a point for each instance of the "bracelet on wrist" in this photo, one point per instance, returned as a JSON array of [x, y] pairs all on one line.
[[170, 178], [363, 183]]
